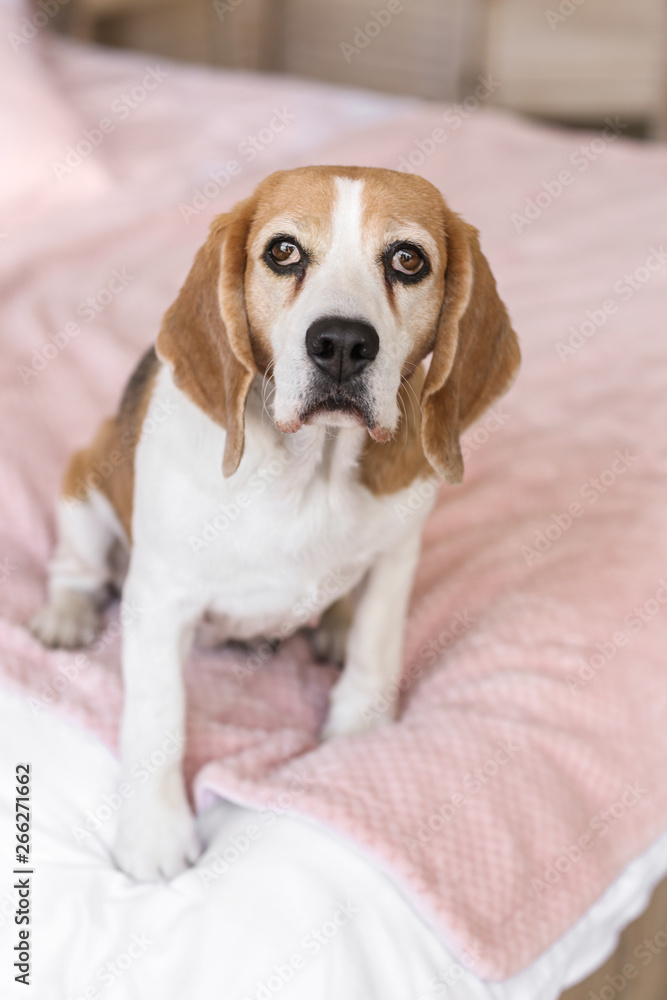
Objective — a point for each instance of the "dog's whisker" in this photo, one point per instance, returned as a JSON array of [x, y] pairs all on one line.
[[268, 390], [405, 435], [410, 395], [413, 397]]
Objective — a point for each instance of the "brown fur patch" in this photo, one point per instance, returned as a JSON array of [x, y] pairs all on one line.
[[388, 468], [107, 463], [475, 352], [204, 335]]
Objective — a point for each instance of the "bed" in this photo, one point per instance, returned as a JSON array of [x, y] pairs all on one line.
[[538, 620]]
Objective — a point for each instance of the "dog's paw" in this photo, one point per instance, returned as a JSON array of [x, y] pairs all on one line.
[[352, 712], [155, 839], [70, 619]]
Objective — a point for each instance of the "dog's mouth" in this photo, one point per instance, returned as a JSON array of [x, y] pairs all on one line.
[[340, 410], [339, 407], [336, 403]]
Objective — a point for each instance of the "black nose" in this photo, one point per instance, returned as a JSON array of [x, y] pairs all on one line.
[[341, 347]]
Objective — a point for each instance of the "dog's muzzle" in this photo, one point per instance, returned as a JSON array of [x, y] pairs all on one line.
[[341, 351]]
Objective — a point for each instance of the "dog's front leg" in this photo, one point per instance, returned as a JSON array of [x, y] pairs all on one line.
[[367, 693], [156, 836]]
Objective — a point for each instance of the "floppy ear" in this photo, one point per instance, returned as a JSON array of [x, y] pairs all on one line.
[[204, 335], [475, 353]]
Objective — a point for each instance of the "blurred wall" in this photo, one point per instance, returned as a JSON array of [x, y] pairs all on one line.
[[580, 60], [574, 61], [420, 47]]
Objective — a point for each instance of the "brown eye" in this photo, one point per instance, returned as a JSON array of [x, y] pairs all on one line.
[[284, 252], [407, 260]]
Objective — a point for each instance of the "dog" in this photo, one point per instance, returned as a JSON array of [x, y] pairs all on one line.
[[287, 384]]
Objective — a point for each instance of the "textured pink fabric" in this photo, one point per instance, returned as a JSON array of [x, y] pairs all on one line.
[[528, 765]]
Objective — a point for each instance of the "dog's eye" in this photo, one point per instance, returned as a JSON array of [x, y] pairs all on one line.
[[285, 252], [407, 260], [406, 263], [284, 256]]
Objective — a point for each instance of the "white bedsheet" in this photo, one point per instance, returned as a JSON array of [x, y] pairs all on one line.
[[276, 907]]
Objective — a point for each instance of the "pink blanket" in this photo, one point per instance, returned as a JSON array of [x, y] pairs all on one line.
[[528, 765]]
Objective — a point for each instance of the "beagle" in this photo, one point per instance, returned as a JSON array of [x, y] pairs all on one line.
[[293, 357]]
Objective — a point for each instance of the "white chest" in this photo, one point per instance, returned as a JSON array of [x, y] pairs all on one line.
[[277, 542]]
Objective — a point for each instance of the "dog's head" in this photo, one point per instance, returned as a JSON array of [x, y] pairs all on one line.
[[336, 282]]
